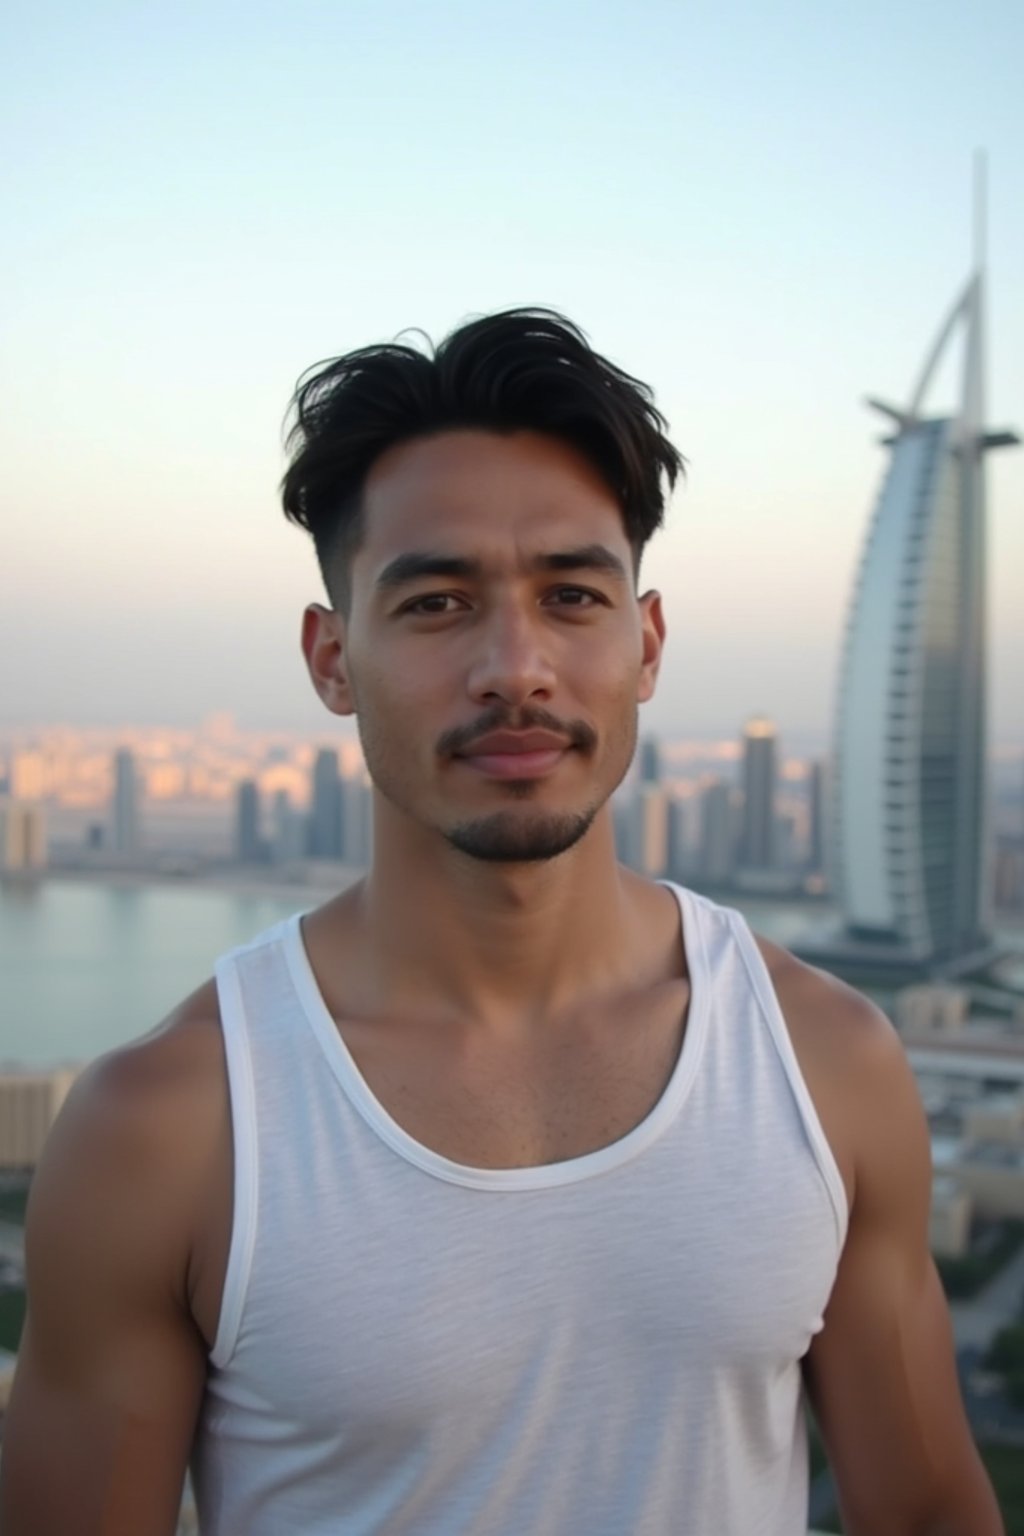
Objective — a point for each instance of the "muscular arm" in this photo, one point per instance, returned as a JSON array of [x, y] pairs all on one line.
[[111, 1368], [882, 1374]]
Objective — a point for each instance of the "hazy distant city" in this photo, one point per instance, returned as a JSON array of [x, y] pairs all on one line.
[[262, 808]]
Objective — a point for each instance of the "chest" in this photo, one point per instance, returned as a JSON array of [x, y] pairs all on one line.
[[681, 1269], [524, 1100]]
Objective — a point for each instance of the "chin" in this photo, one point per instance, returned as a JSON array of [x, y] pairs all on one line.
[[506, 838]]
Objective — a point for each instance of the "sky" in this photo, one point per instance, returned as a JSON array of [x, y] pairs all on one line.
[[763, 211]]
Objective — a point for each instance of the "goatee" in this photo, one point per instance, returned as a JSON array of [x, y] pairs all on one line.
[[505, 838]]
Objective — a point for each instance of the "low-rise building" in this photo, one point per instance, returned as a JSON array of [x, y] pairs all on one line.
[[992, 1174], [949, 1221], [996, 1117], [931, 1009], [29, 1104]]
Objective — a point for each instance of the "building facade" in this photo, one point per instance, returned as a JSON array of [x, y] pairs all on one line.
[[717, 859], [125, 808], [29, 1102], [759, 839], [249, 844], [23, 840], [325, 812], [911, 819]]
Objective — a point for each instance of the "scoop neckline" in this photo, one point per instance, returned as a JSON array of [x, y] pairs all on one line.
[[536, 1176]]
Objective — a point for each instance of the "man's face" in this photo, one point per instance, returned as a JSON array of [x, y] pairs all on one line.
[[495, 650]]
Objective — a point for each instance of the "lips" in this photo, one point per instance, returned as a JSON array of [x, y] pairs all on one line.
[[514, 743], [516, 754]]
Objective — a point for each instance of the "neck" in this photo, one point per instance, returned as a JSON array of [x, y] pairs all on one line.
[[497, 941]]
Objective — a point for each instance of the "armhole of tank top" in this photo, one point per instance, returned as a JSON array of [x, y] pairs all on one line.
[[243, 1138], [824, 1157]]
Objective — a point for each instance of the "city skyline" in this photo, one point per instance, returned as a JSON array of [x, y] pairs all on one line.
[[753, 217], [186, 789], [176, 759]]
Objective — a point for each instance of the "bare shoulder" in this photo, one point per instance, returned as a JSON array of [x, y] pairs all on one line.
[[136, 1098], [113, 1358], [852, 1061], [142, 1131], [826, 1014]]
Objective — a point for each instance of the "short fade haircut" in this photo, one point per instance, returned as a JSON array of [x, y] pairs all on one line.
[[519, 370]]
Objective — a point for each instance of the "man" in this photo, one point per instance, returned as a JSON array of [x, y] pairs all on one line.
[[508, 1192]]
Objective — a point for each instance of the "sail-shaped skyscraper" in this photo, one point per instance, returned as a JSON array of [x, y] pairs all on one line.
[[911, 839]]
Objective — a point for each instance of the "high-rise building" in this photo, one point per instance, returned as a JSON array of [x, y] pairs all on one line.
[[357, 822], [651, 812], [641, 829], [1009, 873], [817, 789], [677, 857], [249, 845], [125, 808], [717, 833], [287, 838], [642, 815], [787, 847], [911, 819], [28, 776], [758, 840], [23, 841], [649, 763], [325, 814]]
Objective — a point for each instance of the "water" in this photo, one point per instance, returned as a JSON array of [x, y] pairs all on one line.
[[87, 966]]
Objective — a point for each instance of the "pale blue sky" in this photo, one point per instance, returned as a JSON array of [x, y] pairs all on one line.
[[763, 210]]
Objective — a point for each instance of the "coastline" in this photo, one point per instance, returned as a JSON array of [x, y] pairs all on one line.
[[316, 883], [319, 879]]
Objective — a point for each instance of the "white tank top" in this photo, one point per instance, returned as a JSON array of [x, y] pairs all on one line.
[[607, 1346]]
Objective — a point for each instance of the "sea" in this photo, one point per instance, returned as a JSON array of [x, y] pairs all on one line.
[[89, 965]]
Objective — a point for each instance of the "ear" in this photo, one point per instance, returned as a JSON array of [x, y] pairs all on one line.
[[323, 646], [652, 622]]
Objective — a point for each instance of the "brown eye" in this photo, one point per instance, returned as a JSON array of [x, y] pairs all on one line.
[[574, 597], [432, 603]]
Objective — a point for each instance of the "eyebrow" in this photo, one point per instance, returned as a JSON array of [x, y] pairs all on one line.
[[414, 565]]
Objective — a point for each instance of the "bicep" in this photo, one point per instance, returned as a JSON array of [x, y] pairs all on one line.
[[882, 1373], [100, 1451], [882, 1380], [111, 1369]]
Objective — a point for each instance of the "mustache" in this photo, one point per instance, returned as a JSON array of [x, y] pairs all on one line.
[[577, 732]]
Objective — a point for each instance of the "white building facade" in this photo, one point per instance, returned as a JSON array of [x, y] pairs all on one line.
[[911, 819]]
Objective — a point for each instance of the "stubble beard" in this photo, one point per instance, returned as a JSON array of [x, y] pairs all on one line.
[[503, 837]]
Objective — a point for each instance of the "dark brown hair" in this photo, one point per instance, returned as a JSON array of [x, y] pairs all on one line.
[[522, 369]]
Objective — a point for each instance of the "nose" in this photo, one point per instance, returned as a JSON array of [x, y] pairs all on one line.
[[512, 664]]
